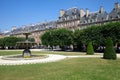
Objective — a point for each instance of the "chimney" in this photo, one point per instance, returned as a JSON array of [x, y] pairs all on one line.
[[62, 12], [87, 12], [117, 5], [101, 9], [82, 13]]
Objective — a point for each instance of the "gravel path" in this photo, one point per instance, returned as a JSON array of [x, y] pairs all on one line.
[[50, 58]]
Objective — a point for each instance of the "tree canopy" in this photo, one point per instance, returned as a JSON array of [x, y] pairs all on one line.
[[11, 41], [98, 34], [56, 37]]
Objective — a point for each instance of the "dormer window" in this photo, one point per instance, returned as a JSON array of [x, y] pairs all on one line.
[[116, 17], [68, 18], [79, 15], [118, 13], [71, 18], [91, 21], [85, 21], [111, 17], [75, 16], [72, 13], [59, 17], [65, 18], [102, 19], [75, 10]]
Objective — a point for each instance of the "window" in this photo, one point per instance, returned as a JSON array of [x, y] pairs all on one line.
[[80, 27], [102, 19], [75, 16], [65, 18], [85, 21], [90, 21], [111, 17], [73, 23], [68, 18], [117, 17]]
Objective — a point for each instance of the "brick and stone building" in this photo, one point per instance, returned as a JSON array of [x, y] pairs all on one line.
[[35, 30], [101, 17], [72, 19]]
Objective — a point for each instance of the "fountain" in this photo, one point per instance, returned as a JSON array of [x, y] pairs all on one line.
[[26, 44], [27, 57]]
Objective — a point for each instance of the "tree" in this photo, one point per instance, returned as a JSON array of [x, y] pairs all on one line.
[[2, 44], [61, 37], [111, 30], [46, 38], [78, 40], [90, 50], [23, 39], [109, 50], [98, 35], [10, 41], [64, 37]]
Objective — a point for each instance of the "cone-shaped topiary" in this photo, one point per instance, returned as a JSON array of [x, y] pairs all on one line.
[[90, 50], [109, 52]]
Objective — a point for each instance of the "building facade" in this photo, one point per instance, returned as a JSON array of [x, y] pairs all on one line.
[[100, 17], [72, 19], [35, 30], [75, 18]]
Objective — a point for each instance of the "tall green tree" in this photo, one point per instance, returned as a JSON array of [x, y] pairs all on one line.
[[78, 40], [109, 50], [98, 34], [10, 41], [2, 44], [61, 37], [47, 39], [90, 50], [64, 36]]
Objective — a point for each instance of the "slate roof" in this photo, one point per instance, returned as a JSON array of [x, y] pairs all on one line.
[[37, 27], [94, 17], [115, 13], [70, 13]]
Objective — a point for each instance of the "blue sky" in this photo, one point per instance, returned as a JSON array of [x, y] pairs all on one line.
[[25, 12]]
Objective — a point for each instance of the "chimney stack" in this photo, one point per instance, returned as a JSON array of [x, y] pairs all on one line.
[[101, 9], [87, 12], [82, 13], [62, 12], [117, 5]]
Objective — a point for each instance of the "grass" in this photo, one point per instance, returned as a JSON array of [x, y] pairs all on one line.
[[4, 52], [7, 52], [67, 69]]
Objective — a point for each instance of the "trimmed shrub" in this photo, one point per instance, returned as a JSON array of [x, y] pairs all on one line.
[[109, 52], [90, 50]]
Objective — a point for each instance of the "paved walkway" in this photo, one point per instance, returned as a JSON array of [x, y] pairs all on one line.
[[50, 58]]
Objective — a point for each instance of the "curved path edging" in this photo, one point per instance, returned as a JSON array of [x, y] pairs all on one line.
[[50, 58]]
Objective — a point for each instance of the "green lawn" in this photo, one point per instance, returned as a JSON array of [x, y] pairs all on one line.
[[5, 52], [9, 52], [67, 69]]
